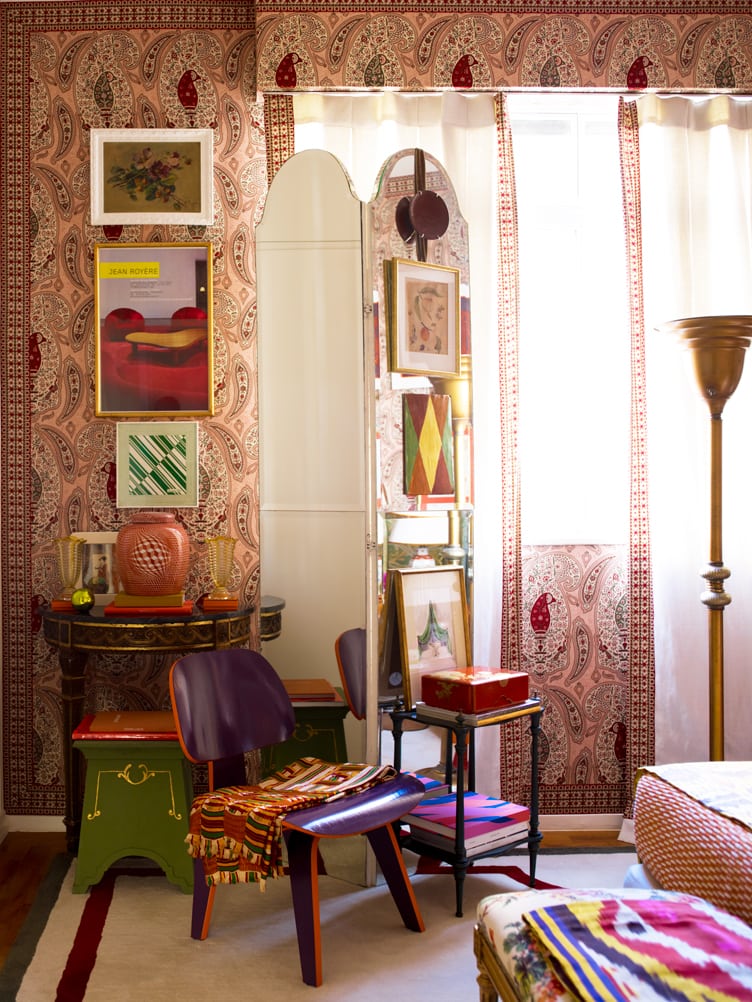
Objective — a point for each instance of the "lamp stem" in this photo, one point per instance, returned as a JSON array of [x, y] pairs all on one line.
[[717, 346], [715, 597]]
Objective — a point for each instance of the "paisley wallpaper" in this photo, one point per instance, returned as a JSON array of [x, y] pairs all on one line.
[[71, 67], [418, 46]]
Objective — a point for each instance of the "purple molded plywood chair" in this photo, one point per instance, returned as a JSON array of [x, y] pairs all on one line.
[[350, 650], [230, 702]]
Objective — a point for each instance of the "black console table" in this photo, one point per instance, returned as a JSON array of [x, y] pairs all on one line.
[[464, 733]]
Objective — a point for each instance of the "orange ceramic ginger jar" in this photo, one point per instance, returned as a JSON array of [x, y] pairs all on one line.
[[152, 554]]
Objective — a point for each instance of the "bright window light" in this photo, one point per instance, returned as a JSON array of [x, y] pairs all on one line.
[[574, 336]]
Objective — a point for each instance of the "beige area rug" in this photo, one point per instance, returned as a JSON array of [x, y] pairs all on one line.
[[146, 953]]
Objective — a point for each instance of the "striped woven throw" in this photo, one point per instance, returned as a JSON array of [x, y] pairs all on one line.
[[237, 830]]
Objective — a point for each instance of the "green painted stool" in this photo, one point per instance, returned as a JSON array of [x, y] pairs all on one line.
[[137, 797]]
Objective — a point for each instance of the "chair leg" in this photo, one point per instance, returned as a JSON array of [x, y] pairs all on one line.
[[387, 851], [203, 902], [303, 856]]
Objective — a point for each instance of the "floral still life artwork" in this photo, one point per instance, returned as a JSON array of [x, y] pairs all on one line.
[[156, 175], [151, 176]]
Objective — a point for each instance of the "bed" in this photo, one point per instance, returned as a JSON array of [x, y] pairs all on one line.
[[693, 832]]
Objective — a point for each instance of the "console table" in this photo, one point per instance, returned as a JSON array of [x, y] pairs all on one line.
[[75, 636], [464, 733]]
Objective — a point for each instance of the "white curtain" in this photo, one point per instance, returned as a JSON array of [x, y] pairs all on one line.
[[364, 131], [696, 184]]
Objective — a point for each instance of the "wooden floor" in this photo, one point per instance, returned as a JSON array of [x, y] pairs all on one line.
[[25, 858]]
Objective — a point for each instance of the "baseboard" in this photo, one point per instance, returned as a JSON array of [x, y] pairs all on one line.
[[580, 822], [29, 823]]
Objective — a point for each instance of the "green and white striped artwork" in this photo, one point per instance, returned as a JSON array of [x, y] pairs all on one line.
[[157, 464]]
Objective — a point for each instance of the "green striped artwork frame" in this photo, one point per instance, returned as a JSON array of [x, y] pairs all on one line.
[[157, 464]]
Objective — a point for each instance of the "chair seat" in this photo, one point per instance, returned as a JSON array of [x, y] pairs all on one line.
[[360, 812]]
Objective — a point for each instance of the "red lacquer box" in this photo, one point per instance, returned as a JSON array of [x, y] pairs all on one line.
[[474, 689]]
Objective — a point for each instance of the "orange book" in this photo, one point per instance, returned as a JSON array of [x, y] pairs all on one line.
[[313, 690]]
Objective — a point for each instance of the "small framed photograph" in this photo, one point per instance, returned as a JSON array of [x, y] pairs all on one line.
[[152, 176], [153, 329], [423, 303], [434, 630], [157, 464], [99, 571]]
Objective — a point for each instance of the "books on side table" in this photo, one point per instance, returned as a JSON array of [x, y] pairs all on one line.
[[440, 713], [489, 822]]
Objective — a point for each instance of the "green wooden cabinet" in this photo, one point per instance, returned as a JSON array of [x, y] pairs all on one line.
[[137, 802], [319, 732]]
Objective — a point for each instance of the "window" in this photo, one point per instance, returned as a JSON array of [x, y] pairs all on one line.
[[574, 319]]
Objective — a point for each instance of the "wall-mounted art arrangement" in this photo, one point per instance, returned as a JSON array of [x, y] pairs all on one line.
[[153, 329], [157, 464], [151, 176], [423, 312], [426, 617], [99, 572], [428, 444]]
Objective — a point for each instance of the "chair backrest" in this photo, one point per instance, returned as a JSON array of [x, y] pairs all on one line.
[[189, 313], [228, 702], [350, 649], [122, 321]]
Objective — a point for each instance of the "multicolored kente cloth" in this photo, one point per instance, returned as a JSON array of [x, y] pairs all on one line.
[[237, 830], [617, 950]]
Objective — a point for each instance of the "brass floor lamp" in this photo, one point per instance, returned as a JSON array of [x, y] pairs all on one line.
[[717, 346]]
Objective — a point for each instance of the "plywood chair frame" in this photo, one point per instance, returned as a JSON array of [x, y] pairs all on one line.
[[211, 693]]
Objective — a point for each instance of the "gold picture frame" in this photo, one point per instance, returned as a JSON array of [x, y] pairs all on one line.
[[153, 330], [157, 464], [432, 625], [423, 315], [99, 571], [152, 176]]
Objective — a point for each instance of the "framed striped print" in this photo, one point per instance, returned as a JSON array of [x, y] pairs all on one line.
[[157, 464]]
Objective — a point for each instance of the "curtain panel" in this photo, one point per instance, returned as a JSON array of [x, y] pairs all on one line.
[[696, 210]]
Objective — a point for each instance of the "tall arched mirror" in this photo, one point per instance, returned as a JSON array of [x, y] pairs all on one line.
[[348, 495], [423, 390]]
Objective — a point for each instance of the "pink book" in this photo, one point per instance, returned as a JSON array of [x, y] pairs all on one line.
[[483, 815]]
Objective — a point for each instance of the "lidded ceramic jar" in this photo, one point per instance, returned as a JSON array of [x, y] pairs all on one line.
[[153, 551]]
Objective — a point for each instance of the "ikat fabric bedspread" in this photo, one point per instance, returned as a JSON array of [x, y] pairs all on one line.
[[618, 950], [538, 976]]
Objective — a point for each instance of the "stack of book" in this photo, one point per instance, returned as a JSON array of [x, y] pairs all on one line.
[[229, 604], [440, 713], [318, 691], [489, 823], [149, 605]]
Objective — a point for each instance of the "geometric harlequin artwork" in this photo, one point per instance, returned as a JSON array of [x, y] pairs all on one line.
[[428, 444], [157, 464]]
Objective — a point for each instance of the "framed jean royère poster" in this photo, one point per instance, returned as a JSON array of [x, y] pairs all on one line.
[[153, 330]]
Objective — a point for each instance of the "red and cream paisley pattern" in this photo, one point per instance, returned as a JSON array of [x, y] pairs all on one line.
[[73, 66]]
